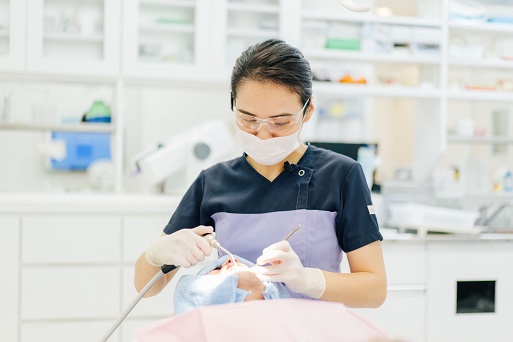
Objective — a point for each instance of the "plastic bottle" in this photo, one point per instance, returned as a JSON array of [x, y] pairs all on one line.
[[99, 112], [508, 181]]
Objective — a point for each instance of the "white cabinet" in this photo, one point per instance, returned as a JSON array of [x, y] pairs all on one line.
[[12, 35], [70, 276], [470, 296], [10, 284], [46, 239], [239, 24], [78, 37], [166, 39], [403, 314]]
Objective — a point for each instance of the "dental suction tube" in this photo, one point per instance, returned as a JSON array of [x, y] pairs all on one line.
[[163, 270]]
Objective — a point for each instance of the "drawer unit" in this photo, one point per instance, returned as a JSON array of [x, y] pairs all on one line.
[[70, 239], [405, 262], [138, 232], [66, 331], [403, 313], [70, 293], [9, 285]]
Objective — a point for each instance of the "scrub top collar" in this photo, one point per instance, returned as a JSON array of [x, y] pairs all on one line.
[[305, 162]]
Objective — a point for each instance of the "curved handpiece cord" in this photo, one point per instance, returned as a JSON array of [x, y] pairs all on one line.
[[355, 7], [163, 270], [214, 243]]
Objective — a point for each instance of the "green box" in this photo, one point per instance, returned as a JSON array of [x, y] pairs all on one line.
[[343, 44]]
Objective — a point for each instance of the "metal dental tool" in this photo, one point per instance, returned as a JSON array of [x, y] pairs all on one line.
[[163, 270], [292, 232], [214, 243]]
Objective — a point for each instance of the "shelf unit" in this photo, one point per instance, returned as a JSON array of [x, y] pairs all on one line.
[[85, 128], [75, 37], [215, 33], [239, 24], [400, 57], [12, 49], [165, 38]]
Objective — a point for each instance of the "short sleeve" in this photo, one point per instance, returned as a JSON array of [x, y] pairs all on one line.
[[189, 213], [357, 225]]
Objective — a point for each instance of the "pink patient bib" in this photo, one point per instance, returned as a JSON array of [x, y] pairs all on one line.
[[265, 320]]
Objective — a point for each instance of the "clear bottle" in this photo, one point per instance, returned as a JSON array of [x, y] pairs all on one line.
[[508, 181]]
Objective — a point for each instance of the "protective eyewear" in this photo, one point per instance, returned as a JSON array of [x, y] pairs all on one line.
[[275, 124]]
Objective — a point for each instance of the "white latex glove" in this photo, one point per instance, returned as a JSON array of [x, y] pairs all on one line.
[[286, 267], [185, 248]]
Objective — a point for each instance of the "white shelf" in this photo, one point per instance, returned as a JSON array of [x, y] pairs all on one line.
[[170, 3], [74, 37], [479, 140], [83, 127], [261, 33], [482, 95], [253, 8], [407, 21], [4, 33], [482, 27], [370, 57], [175, 28], [484, 63], [367, 90]]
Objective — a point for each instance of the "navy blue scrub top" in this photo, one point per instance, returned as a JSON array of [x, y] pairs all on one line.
[[325, 192]]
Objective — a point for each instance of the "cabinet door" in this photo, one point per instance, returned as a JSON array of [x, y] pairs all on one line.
[[69, 292], [71, 239], [138, 232], [9, 251], [240, 24], [79, 37], [470, 297], [67, 331], [165, 39], [12, 35], [403, 313]]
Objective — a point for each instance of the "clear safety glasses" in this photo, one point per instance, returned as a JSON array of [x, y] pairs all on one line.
[[275, 124]]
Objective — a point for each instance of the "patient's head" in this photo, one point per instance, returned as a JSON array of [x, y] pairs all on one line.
[[247, 280]]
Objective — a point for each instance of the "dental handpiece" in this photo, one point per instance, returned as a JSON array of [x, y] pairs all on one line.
[[214, 243]]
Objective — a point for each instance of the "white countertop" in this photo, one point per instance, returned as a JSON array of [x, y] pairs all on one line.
[[141, 204], [30, 203]]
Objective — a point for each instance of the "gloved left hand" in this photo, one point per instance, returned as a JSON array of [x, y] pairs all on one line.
[[286, 267]]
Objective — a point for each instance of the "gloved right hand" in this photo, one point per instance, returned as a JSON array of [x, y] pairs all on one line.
[[185, 248]]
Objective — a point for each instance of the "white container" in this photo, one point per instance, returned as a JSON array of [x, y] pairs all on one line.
[[432, 218]]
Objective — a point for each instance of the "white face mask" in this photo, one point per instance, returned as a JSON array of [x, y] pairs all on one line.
[[270, 151]]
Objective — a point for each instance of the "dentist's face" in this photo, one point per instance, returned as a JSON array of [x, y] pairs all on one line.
[[265, 100]]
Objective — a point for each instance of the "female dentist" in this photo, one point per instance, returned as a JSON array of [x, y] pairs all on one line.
[[253, 201]]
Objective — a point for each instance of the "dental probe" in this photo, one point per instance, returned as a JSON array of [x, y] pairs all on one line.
[[292, 232]]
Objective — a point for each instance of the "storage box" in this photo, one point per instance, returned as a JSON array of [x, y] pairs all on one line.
[[81, 150]]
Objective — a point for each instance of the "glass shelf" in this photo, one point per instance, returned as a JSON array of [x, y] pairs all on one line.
[[85, 127]]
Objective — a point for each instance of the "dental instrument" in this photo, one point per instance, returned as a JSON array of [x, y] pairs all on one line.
[[163, 270], [214, 243], [292, 232]]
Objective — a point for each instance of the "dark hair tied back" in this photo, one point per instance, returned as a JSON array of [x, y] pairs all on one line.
[[273, 61]]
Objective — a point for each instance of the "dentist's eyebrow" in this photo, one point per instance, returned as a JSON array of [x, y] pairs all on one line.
[[274, 116]]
